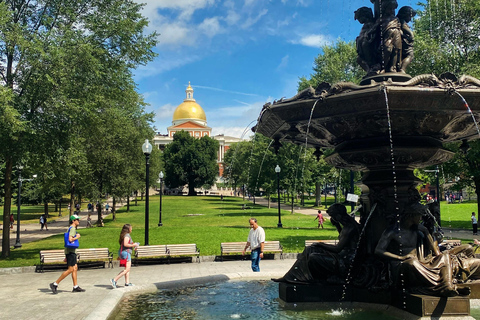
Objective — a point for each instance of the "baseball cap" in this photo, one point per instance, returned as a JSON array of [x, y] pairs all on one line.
[[74, 217]]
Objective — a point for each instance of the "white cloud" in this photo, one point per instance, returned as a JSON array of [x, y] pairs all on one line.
[[210, 27], [250, 21], [313, 40], [284, 62], [237, 132], [164, 63]]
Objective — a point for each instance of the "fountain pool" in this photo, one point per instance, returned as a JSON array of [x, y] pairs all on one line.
[[233, 300]]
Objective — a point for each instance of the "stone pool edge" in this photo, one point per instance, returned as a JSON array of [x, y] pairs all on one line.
[[108, 306]]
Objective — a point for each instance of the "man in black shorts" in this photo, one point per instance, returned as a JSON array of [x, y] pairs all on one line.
[[71, 257]]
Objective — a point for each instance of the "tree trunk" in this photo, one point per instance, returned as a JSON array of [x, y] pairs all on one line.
[[99, 215], [136, 195], [7, 208], [113, 209], [191, 189], [72, 197], [318, 194], [268, 197], [128, 203], [45, 209]]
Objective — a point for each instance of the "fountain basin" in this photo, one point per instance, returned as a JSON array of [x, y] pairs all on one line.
[[424, 113]]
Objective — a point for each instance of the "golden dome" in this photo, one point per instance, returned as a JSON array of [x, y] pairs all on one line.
[[189, 110]]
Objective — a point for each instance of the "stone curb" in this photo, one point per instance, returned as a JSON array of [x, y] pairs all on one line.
[[108, 306]]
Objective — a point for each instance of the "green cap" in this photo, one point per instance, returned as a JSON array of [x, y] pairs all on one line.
[[74, 217]]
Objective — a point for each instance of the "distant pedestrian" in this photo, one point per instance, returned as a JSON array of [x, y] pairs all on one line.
[[89, 207], [70, 254], [42, 222], [256, 242], [106, 208], [12, 220], [474, 224], [125, 253], [45, 222], [89, 221], [320, 219]]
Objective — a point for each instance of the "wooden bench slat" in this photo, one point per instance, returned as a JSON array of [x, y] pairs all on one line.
[[228, 248], [57, 256], [167, 251]]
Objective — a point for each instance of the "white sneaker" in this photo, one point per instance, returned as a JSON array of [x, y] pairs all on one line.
[[114, 283]]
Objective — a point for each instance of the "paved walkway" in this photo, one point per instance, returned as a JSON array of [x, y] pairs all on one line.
[[28, 296]]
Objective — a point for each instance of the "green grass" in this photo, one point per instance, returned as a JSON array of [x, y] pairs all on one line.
[[206, 221], [457, 215]]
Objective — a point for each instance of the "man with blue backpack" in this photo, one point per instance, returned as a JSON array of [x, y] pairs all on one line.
[[71, 245]]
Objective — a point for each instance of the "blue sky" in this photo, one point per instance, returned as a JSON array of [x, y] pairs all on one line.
[[237, 54]]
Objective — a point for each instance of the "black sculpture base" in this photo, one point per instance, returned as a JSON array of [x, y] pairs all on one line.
[[419, 305]]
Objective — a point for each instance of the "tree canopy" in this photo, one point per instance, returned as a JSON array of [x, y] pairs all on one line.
[[65, 72], [190, 161]]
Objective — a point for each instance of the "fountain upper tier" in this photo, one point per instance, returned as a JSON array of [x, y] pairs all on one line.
[[424, 113]]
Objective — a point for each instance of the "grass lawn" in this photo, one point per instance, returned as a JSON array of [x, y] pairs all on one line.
[[457, 215], [207, 221], [204, 220]]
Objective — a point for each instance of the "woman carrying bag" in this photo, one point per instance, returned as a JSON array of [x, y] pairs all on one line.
[[125, 255]]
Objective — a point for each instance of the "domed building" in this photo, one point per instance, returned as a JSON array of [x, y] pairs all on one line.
[[189, 116]]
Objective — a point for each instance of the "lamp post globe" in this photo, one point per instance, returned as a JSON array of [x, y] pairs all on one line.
[[277, 170], [160, 176], [147, 150]]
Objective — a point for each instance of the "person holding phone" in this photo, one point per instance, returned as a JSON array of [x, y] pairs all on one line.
[[125, 252]]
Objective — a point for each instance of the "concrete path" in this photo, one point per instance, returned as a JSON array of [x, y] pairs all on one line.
[[28, 296]]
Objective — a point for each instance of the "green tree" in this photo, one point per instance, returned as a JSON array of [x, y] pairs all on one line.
[[336, 63], [190, 161], [63, 62], [446, 38]]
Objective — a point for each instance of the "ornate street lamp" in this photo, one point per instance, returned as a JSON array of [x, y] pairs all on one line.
[[19, 201], [147, 150], [277, 170], [160, 176]]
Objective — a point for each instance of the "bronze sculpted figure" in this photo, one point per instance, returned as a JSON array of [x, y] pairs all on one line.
[[385, 43], [365, 42], [405, 15], [416, 262], [322, 261]]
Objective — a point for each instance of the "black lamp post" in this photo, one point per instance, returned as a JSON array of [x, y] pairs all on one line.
[[19, 201], [277, 170], [147, 150], [160, 176]]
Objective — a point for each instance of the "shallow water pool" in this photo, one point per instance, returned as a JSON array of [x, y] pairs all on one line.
[[228, 300]]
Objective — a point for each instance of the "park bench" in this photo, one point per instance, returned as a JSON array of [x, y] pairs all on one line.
[[51, 259], [158, 253], [183, 251], [55, 259], [94, 257], [310, 242], [236, 248]]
